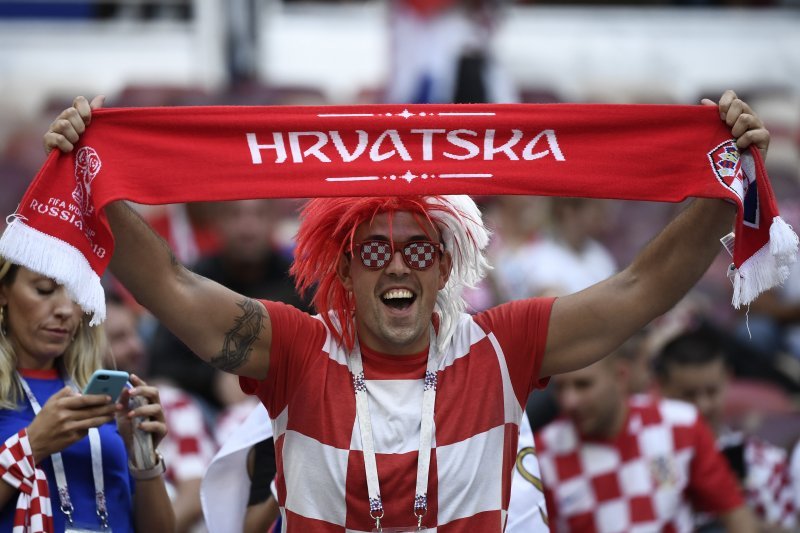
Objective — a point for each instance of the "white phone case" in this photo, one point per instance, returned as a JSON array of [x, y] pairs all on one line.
[[144, 457]]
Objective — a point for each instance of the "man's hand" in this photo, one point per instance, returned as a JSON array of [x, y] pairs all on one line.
[[746, 126], [67, 128]]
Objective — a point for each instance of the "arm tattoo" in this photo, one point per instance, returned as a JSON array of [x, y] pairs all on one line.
[[239, 339]]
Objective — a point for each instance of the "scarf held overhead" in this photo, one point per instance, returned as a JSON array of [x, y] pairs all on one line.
[[167, 155]]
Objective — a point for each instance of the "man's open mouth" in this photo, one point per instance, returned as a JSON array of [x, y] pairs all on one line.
[[398, 298]]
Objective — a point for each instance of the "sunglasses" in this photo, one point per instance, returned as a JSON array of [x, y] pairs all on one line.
[[419, 255]]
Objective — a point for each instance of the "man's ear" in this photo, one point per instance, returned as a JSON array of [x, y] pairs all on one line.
[[343, 271], [445, 267]]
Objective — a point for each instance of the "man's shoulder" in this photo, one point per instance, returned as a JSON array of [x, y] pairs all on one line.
[[280, 310], [512, 311], [297, 327]]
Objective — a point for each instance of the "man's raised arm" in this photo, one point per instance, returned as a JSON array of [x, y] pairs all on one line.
[[227, 330], [586, 326]]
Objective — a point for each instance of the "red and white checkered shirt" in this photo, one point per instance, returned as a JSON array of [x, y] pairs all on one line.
[[767, 484], [484, 378], [647, 478], [229, 420], [188, 447]]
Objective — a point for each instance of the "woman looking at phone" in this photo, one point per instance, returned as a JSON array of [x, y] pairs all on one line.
[[82, 445]]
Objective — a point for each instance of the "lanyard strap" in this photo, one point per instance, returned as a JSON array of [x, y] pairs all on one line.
[[58, 466], [425, 434]]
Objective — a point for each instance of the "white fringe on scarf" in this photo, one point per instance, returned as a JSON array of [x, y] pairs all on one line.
[[58, 260], [768, 267]]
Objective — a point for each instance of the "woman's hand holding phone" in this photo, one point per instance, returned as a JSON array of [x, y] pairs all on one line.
[[66, 416], [141, 421], [65, 419]]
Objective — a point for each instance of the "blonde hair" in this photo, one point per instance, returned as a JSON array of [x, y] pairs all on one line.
[[82, 357]]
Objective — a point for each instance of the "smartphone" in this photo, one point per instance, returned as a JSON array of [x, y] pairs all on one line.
[[144, 456], [109, 382]]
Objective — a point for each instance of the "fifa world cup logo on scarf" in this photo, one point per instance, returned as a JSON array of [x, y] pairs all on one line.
[[87, 166]]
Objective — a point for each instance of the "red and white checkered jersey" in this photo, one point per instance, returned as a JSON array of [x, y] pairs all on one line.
[[650, 477], [229, 420], [767, 485], [188, 447], [484, 377]]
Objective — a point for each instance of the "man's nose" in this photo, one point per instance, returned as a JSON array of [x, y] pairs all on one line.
[[567, 399], [704, 405]]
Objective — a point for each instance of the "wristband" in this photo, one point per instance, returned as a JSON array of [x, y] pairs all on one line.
[[141, 474]]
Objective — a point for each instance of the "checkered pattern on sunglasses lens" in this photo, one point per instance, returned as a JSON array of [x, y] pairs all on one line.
[[419, 255]]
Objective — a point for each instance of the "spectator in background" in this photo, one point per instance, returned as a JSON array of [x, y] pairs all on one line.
[[565, 259], [619, 463], [636, 356], [693, 367], [440, 53], [517, 223], [794, 473], [188, 229], [237, 489], [774, 317], [568, 258], [246, 263], [262, 505], [527, 510], [188, 448]]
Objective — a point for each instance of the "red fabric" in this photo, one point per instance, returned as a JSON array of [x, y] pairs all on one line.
[[169, 155], [428, 8], [710, 476], [188, 447], [34, 373], [309, 395], [204, 239]]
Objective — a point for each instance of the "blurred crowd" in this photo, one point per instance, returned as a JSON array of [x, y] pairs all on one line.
[[540, 246], [183, 9]]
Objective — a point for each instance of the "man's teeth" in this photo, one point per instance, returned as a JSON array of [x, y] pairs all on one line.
[[398, 293]]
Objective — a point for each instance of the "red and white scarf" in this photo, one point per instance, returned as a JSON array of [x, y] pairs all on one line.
[[168, 155], [17, 468]]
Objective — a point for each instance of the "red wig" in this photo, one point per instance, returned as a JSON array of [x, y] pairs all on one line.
[[327, 229]]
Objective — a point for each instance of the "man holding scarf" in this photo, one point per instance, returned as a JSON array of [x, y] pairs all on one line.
[[393, 408]]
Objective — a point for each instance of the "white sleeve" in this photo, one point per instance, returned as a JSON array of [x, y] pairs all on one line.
[[225, 488], [527, 512], [794, 473]]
